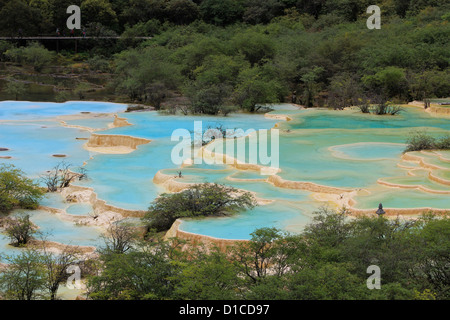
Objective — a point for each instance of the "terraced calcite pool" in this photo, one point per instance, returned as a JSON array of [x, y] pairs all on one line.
[[334, 158]]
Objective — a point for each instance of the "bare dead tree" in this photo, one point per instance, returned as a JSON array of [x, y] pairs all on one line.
[[82, 173], [59, 177], [119, 239], [183, 108]]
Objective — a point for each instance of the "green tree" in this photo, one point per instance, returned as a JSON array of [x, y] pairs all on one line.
[[143, 274], [327, 282], [16, 190], [143, 10], [255, 46], [200, 200], [255, 89], [268, 251], [34, 54], [119, 239], [390, 81], [344, 91], [310, 85], [145, 74], [15, 88], [182, 11], [17, 15], [37, 56], [262, 11], [221, 12], [24, 277], [81, 89], [5, 46], [99, 11], [20, 229], [213, 84], [432, 250], [207, 276], [55, 267]]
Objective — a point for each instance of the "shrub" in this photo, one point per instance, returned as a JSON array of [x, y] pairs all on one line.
[[16, 190], [421, 141], [20, 229], [200, 200], [443, 143]]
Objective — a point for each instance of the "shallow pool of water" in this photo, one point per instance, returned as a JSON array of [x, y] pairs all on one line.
[[344, 149]]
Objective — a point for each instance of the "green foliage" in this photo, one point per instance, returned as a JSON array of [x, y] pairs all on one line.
[[182, 11], [200, 200], [328, 261], [24, 279], [62, 96], [142, 72], [15, 88], [98, 64], [16, 190], [81, 89], [255, 46], [20, 229], [16, 17], [144, 274], [209, 276], [390, 81], [420, 140], [221, 12], [5, 46], [100, 11], [36, 274], [256, 88], [34, 55]]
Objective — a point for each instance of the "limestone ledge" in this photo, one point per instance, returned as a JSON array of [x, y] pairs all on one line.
[[114, 144], [103, 214], [60, 247], [434, 109], [277, 117], [307, 186], [119, 122], [437, 110], [427, 166], [346, 201], [197, 239], [413, 186], [393, 212], [171, 184], [437, 179], [74, 126], [233, 162], [422, 161]]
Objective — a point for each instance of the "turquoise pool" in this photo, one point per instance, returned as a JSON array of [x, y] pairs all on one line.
[[341, 149]]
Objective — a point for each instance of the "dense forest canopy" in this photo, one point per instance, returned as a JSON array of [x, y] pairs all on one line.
[[222, 54]]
